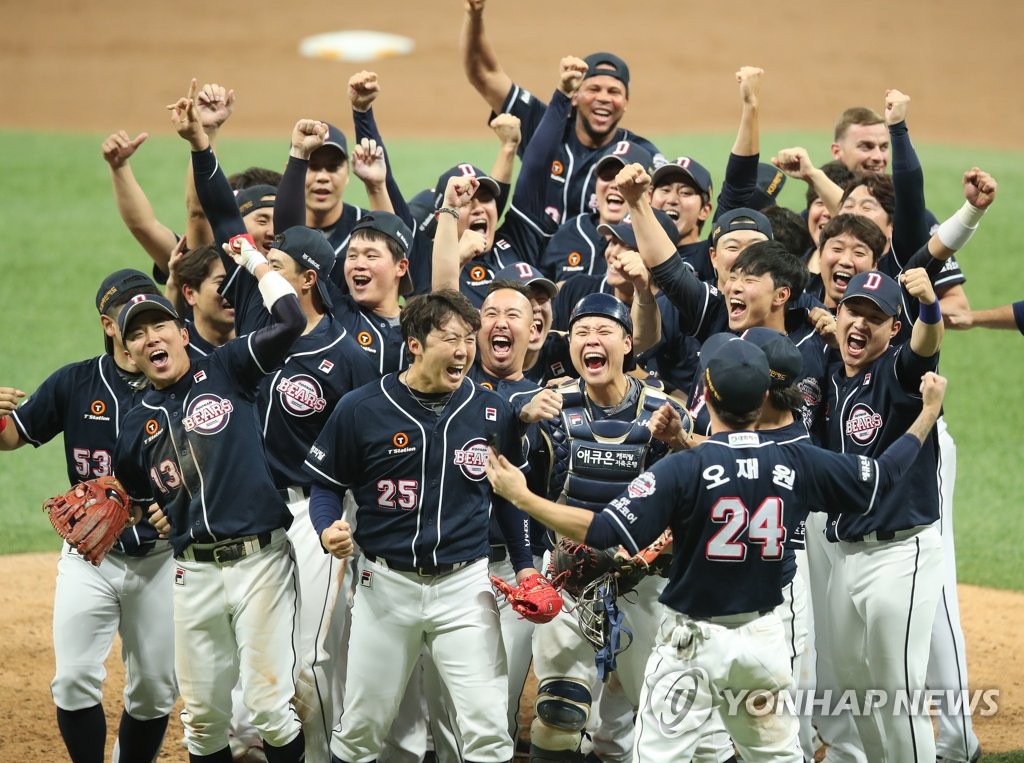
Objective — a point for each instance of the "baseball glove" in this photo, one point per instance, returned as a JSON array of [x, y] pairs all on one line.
[[91, 516], [535, 598], [575, 565], [652, 560]]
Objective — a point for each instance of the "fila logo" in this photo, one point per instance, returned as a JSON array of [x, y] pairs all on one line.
[[366, 579], [326, 366], [200, 376], [179, 576], [491, 414]]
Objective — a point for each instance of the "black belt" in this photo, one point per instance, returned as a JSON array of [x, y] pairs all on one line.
[[498, 553], [427, 571], [227, 551], [284, 492]]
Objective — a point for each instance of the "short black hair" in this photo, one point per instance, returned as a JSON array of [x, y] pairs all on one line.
[[734, 420], [427, 312], [519, 286], [786, 399], [790, 230], [772, 258], [858, 226], [879, 186], [194, 265], [397, 252], [251, 176]]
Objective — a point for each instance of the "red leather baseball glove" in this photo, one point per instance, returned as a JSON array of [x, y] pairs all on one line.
[[91, 516], [535, 598]]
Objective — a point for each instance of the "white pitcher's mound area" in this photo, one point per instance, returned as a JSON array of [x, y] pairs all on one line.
[[355, 45]]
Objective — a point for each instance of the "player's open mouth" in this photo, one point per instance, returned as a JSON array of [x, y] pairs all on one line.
[[501, 346], [841, 279], [159, 358], [855, 343], [736, 307], [361, 282], [614, 201], [479, 225], [672, 213], [594, 361], [537, 328], [455, 372]]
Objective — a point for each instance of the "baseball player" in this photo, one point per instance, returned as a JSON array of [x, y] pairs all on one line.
[[605, 415], [887, 575], [194, 446], [577, 247], [128, 594], [726, 503], [423, 513], [599, 105], [194, 285]]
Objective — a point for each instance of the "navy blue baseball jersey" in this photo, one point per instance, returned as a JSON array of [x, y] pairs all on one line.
[[553, 360], [297, 399], [87, 402], [196, 447], [379, 337], [198, 346], [418, 478], [674, 359], [730, 506], [866, 413], [569, 185], [575, 249]]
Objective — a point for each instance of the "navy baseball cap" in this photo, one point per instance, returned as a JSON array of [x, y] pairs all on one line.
[[116, 288], [312, 251], [736, 376], [686, 170], [624, 231], [119, 283], [464, 170], [392, 227], [528, 276], [336, 138], [784, 359], [743, 218], [770, 181], [625, 152], [609, 65], [250, 199], [144, 303], [879, 288]]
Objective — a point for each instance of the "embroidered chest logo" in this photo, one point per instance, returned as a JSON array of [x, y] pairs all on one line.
[[207, 414], [472, 459], [301, 395], [863, 424]]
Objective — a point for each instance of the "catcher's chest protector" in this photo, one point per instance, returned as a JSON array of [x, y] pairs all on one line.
[[605, 455]]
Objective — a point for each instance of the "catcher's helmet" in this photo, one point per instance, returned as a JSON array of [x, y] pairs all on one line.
[[604, 305]]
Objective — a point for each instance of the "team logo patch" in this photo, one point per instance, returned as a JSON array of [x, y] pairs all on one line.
[[326, 366], [575, 420], [364, 338], [301, 395], [574, 259], [366, 579], [98, 407], [487, 385], [491, 414], [207, 414], [471, 458], [152, 427], [867, 379], [641, 486], [200, 376], [557, 168], [863, 424], [477, 273], [179, 576], [400, 440]]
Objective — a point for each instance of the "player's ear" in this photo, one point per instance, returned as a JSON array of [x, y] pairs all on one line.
[[781, 296], [896, 325], [189, 294], [403, 266], [129, 358], [415, 347], [837, 152], [109, 325], [184, 335]]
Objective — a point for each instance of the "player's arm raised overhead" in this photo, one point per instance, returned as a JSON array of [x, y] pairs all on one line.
[[369, 166], [796, 163], [132, 203], [451, 251], [363, 91], [910, 225], [644, 311], [479, 60], [213, 104], [748, 137], [506, 128], [926, 337]]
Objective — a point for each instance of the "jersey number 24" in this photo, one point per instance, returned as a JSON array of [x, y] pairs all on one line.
[[764, 528]]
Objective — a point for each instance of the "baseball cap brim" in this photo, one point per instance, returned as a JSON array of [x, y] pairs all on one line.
[[666, 173], [139, 306]]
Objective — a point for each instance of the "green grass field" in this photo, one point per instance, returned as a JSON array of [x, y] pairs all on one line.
[[63, 235]]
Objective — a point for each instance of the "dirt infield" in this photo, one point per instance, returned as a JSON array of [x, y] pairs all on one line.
[[74, 66]]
